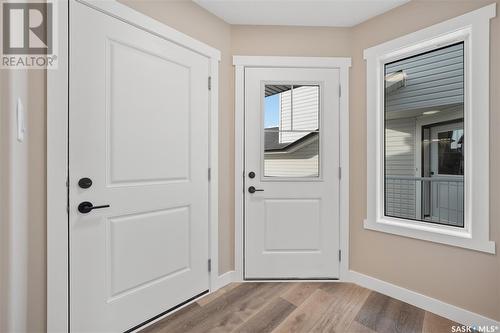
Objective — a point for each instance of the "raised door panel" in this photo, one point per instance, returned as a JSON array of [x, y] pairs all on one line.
[[148, 116], [136, 241]]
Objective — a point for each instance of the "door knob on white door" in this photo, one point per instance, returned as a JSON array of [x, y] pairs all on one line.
[[86, 207], [252, 189]]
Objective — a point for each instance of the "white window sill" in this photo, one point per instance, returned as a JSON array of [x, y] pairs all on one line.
[[430, 232]]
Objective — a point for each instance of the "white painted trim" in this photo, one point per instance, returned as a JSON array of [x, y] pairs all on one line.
[[242, 62], [214, 172], [446, 310], [57, 149], [57, 173], [147, 23], [344, 164], [300, 62], [239, 169], [473, 29], [213, 163], [223, 280]]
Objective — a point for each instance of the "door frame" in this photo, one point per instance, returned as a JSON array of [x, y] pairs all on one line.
[[242, 62], [57, 150], [420, 123]]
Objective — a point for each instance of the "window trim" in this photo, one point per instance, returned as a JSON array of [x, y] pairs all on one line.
[[473, 29]]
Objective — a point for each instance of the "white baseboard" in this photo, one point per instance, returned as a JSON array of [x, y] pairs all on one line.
[[223, 280], [427, 303]]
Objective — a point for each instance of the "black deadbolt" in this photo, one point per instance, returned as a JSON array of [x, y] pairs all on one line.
[[251, 174], [85, 182]]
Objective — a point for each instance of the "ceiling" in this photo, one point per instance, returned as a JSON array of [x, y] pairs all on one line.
[[324, 13]]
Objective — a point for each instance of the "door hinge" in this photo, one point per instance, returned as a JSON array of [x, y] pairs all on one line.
[[340, 255], [209, 174], [340, 90], [209, 83], [209, 265], [340, 172]]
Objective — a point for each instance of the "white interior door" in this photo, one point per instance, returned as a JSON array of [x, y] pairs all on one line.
[[292, 163], [138, 130], [447, 167]]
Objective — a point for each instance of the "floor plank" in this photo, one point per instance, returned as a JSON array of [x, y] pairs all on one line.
[[303, 307], [305, 316], [212, 296], [300, 291], [238, 312], [385, 315], [348, 299], [436, 324], [199, 316], [268, 317], [356, 327], [162, 326]]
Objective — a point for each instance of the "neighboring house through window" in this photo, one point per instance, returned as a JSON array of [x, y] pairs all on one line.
[[291, 135], [428, 133], [424, 173]]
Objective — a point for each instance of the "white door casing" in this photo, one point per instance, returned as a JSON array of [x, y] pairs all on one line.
[[138, 128], [292, 227]]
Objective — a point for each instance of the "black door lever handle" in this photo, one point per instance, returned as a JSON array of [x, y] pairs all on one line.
[[86, 207], [252, 189]]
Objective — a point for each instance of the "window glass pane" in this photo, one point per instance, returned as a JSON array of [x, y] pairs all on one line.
[[291, 131], [273, 106], [424, 136], [450, 152], [297, 159]]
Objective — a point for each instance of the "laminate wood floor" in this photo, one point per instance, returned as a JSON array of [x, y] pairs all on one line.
[[299, 307]]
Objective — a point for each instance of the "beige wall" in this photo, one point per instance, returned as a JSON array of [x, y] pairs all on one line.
[[461, 277], [290, 41], [464, 278], [194, 21], [22, 205]]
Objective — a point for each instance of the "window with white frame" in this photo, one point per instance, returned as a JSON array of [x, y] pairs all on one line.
[[427, 133], [424, 164]]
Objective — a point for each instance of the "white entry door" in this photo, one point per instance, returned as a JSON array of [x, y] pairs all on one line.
[[138, 129], [291, 173], [447, 169]]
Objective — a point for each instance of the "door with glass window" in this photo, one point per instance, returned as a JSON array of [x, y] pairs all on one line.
[[291, 173], [447, 169]]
